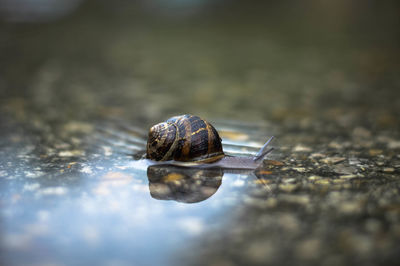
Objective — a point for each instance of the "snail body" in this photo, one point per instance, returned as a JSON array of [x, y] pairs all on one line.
[[189, 141]]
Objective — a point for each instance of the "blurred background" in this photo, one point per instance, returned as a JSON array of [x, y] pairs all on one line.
[[80, 80], [264, 60]]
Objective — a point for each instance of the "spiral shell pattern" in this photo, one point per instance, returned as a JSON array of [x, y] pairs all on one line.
[[186, 138]]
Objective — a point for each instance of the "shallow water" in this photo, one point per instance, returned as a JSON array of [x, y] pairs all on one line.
[[111, 209]]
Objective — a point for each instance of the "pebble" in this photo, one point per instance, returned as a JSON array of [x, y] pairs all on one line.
[[375, 152], [273, 162], [335, 145], [354, 161], [388, 169], [338, 181], [348, 176], [322, 182], [314, 177], [288, 187], [289, 180], [342, 169], [317, 155], [299, 169], [71, 153], [333, 160], [394, 144], [301, 148]]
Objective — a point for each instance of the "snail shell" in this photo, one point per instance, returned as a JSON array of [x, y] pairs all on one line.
[[185, 138]]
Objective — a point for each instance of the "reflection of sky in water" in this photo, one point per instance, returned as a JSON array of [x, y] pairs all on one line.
[[91, 204], [110, 219]]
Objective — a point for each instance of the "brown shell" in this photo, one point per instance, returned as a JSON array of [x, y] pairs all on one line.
[[185, 138]]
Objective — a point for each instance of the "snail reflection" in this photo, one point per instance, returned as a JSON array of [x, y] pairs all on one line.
[[188, 185]]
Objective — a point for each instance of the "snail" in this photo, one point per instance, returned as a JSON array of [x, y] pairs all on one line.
[[189, 141]]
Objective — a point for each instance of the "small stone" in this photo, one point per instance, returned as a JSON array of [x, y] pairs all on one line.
[[299, 169], [354, 161], [71, 153], [348, 176], [335, 145], [314, 177], [273, 162], [338, 181], [388, 170], [345, 170], [394, 144], [375, 152], [289, 180], [322, 182], [288, 187], [333, 160], [317, 155], [301, 148]]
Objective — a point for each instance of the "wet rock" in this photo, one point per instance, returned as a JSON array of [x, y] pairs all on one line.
[[393, 144], [333, 160], [388, 169], [314, 177], [345, 170], [301, 148], [288, 187]]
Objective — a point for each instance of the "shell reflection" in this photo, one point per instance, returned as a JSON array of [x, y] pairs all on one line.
[[182, 184]]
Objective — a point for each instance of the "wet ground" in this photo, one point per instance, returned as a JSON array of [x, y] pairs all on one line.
[[78, 93]]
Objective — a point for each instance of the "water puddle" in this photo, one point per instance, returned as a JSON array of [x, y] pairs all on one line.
[[102, 207]]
